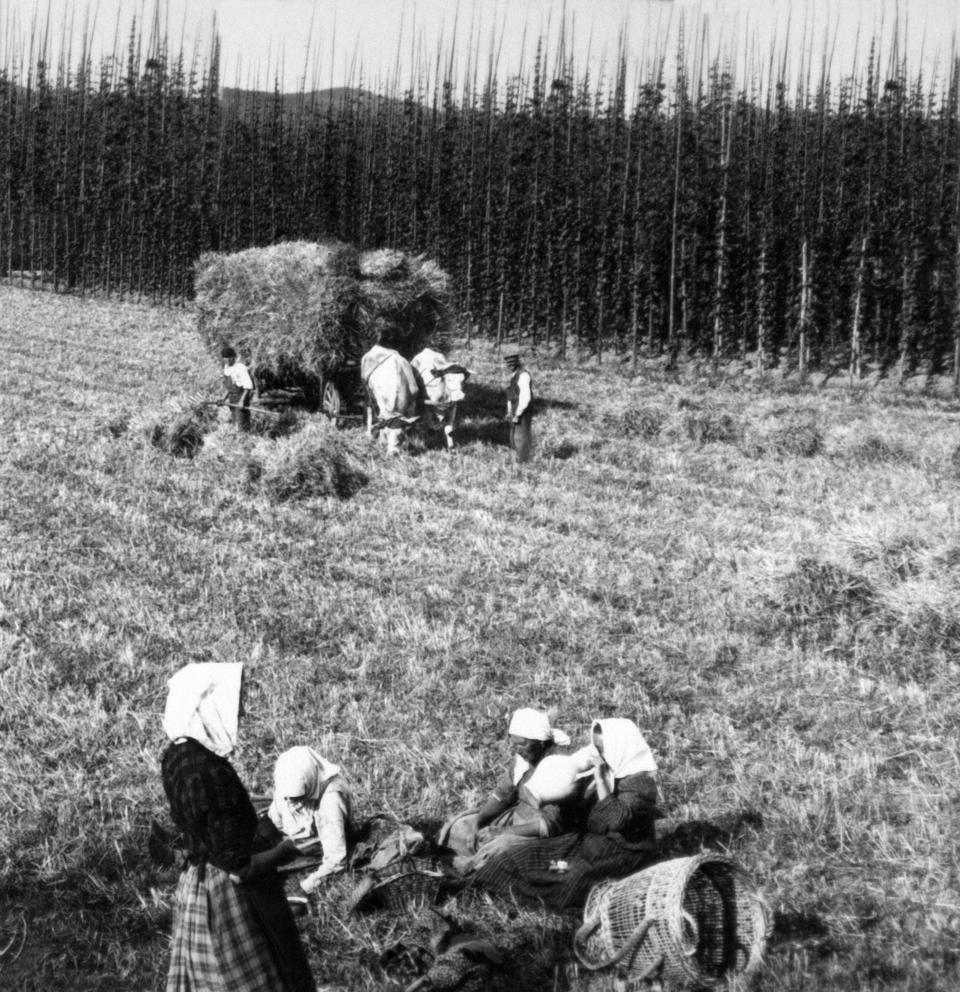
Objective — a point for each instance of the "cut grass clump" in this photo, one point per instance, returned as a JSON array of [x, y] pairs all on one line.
[[923, 613], [899, 556], [875, 450], [819, 596], [712, 427], [117, 425], [182, 435], [559, 450], [799, 440], [312, 463], [274, 425], [643, 422]]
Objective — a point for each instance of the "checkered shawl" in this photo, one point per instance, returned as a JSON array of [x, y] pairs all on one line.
[[209, 805], [218, 945]]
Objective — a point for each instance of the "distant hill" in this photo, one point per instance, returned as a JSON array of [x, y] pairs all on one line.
[[234, 98]]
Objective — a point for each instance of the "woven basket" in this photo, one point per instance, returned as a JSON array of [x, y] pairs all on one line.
[[696, 922], [406, 883]]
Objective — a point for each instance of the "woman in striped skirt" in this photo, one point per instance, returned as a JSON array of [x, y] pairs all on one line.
[[233, 930]]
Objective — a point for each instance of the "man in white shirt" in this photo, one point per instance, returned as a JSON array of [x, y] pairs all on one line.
[[239, 386], [519, 405]]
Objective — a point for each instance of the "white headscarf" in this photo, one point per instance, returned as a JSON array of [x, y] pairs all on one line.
[[300, 771], [625, 750], [534, 725], [203, 702]]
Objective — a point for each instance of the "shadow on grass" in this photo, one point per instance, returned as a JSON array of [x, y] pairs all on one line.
[[483, 415], [690, 838]]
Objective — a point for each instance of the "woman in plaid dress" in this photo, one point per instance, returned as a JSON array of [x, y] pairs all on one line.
[[619, 839], [233, 930]]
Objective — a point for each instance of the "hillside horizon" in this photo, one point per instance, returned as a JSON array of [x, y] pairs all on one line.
[[234, 97]]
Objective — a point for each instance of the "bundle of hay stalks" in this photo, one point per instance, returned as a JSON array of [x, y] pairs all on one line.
[[313, 462], [797, 438], [180, 429], [296, 311]]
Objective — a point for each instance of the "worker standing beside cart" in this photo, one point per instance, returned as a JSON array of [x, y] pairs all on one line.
[[239, 388]]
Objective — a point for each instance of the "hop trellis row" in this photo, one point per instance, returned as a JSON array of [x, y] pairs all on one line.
[[818, 227]]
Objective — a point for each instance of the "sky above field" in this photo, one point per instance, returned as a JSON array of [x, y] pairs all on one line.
[[321, 43]]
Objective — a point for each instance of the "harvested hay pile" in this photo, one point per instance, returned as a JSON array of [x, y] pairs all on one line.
[[798, 438], [801, 439], [643, 422], [712, 426], [181, 430], [296, 311], [408, 293], [314, 462], [875, 450]]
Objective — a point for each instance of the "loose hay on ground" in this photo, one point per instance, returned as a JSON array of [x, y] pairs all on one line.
[[644, 422], [817, 595], [799, 439], [713, 427], [314, 462], [874, 449], [180, 429]]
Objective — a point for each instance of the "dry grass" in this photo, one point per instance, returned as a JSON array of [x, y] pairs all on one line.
[[315, 462], [783, 627]]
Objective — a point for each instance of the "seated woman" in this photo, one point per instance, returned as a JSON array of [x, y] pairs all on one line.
[[619, 837], [312, 802], [507, 819], [232, 926]]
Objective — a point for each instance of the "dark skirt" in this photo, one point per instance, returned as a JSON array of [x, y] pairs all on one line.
[[527, 875]]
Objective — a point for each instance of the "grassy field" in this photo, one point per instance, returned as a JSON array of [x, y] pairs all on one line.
[[766, 577]]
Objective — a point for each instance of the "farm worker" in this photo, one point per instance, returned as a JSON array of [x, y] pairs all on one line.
[[618, 839], [506, 819], [311, 801], [519, 404], [232, 925], [239, 386]]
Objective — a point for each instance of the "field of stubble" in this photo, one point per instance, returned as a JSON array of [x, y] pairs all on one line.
[[765, 577]]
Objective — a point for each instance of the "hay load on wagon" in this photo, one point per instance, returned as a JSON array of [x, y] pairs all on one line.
[[302, 313]]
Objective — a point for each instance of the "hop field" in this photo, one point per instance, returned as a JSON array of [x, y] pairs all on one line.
[[765, 577]]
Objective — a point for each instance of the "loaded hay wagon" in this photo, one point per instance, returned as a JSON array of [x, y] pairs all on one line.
[[301, 315]]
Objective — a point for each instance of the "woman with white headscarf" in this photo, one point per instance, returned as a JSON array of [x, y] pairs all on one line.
[[311, 802], [507, 819], [232, 928], [619, 836]]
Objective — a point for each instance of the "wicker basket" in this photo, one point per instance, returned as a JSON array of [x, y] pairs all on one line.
[[696, 922], [407, 883]]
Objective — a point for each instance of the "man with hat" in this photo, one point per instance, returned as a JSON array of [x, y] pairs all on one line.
[[519, 404]]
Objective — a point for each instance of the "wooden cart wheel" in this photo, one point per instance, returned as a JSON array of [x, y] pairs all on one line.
[[331, 402]]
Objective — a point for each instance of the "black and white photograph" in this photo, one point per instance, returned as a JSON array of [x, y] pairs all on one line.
[[479, 495]]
